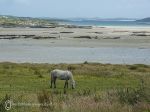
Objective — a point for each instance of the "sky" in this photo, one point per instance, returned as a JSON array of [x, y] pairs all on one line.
[[76, 8]]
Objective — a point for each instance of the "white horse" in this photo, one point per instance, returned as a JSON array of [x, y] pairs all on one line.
[[62, 75]]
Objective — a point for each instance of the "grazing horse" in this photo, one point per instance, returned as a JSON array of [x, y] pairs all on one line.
[[62, 75]]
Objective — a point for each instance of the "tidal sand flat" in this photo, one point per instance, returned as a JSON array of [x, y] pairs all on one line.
[[119, 45]]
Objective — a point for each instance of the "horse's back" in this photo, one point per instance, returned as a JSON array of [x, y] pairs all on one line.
[[61, 74]]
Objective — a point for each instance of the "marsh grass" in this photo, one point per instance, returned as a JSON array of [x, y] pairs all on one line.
[[105, 87]]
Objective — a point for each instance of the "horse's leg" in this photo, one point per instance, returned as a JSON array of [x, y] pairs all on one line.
[[65, 84], [54, 82], [51, 83]]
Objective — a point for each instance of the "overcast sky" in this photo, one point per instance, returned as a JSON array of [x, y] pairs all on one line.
[[76, 8]]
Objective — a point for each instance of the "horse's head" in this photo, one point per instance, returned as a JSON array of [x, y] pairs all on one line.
[[73, 84], [72, 80]]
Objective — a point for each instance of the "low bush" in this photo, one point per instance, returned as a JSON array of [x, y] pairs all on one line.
[[132, 96], [2, 103], [46, 101]]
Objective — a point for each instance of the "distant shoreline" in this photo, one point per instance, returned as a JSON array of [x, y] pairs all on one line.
[[108, 23]]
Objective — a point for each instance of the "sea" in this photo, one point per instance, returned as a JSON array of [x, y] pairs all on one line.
[[125, 23]]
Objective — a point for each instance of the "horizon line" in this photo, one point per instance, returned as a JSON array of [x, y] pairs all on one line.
[[73, 17]]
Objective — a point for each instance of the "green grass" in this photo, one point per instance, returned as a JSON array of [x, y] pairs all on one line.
[[110, 88]]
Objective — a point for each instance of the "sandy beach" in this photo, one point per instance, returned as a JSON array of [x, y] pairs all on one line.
[[79, 37]]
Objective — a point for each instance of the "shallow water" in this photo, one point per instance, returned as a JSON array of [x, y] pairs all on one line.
[[16, 52]]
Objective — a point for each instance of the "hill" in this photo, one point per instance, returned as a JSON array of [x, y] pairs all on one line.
[[13, 21], [144, 20]]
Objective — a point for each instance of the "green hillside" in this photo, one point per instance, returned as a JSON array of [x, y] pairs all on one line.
[[13, 21]]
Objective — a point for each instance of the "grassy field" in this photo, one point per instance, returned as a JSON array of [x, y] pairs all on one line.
[[99, 88]]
